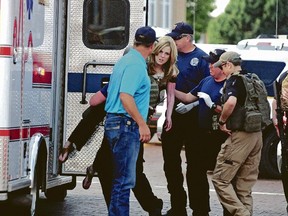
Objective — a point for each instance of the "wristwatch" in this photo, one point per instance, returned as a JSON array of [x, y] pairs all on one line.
[[221, 123], [213, 107]]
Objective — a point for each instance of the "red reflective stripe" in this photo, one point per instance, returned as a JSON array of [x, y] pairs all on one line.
[[4, 133], [15, 133], [12, 133], [6, 51], [263, 44]]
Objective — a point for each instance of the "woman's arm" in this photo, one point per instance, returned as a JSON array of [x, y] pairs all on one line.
[[170, 104], [97, 99]]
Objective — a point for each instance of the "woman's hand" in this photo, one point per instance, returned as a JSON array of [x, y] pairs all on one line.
[[168, 124]]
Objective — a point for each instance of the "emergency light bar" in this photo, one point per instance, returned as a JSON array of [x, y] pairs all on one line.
[[264, 44]]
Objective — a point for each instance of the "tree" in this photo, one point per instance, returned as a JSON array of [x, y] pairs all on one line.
[[198, 15], [269, 17], [248, 19]]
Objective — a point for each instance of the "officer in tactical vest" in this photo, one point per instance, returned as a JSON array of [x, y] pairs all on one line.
[[236, 169]]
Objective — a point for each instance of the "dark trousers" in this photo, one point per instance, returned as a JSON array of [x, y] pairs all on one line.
[[182, 134], [201, 150], [204, 158], [91, 118], [102, 163], [142, 190]]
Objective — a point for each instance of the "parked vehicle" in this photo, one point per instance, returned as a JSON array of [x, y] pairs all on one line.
[[53, 55], [268, 58]]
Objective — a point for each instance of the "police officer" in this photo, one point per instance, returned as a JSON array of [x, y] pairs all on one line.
[[236, 169], [192, 69]]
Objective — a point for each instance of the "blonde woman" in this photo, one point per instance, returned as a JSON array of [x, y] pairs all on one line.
[[163, 71]]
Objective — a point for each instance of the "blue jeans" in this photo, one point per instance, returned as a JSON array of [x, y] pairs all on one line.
[[122, 134]]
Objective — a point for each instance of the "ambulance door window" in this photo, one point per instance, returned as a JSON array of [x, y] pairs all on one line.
[[106, 24]]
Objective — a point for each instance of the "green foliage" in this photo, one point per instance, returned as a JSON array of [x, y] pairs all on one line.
[[202, 10], [248, 19]]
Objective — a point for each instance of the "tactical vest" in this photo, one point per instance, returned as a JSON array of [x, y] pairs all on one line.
[[254, 115]]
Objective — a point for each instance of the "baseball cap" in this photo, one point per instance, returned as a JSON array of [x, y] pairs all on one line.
[[180, 28], [228, 57], [145, 35], [214, 55]]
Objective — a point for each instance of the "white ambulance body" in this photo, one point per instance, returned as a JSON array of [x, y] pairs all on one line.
[[46, 50]]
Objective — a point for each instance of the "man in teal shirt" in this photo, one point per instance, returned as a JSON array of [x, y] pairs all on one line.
[[127, 109]]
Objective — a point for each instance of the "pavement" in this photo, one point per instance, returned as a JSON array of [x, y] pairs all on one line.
[[268, 196]]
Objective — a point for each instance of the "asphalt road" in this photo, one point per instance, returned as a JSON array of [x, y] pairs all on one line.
[[268, 195]]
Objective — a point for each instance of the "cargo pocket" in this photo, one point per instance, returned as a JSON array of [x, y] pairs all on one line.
[[227, 170]]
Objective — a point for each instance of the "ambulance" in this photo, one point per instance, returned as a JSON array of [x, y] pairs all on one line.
[[54, 55]]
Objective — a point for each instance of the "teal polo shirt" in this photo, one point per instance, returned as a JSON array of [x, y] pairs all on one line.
[[129, 76]]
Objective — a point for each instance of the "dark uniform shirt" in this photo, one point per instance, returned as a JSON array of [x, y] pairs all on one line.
[[234, 86], [214, 89], [193, 69]]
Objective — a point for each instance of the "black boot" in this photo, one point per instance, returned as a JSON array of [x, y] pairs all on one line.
[[200, 213], [157, 210], [178, 212]]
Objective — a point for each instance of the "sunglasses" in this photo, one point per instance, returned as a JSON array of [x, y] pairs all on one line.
[[181, 36], [223, 64]]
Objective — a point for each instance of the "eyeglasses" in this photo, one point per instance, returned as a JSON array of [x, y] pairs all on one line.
[[223, 64], [181, 36]]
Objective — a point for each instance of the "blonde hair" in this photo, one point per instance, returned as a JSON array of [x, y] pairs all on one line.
[[170, 69]]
